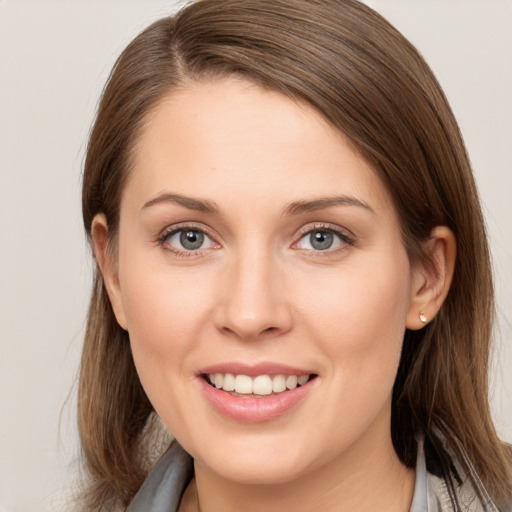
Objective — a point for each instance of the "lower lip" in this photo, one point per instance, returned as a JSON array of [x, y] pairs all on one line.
[[254, 410]]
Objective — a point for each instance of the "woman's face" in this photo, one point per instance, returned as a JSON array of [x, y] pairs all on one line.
[[257, 247]]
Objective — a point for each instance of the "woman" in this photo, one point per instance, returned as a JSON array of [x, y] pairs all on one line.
[[293, 273]]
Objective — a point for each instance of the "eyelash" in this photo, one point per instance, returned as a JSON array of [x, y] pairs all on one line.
[[345, 238], [172, 230]]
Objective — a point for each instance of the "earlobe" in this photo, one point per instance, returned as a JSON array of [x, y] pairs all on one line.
[[431, 281], [107, 266]]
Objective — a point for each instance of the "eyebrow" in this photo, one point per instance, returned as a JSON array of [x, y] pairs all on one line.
[[199, 205], [299, 207], [295, 208]]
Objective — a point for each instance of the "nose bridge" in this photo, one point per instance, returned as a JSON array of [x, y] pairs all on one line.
[[254, 304]]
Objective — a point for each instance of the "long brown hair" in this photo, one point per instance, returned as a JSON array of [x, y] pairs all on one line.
[[369, 82]]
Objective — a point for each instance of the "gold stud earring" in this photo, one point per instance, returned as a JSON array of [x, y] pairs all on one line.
[[423, 318]]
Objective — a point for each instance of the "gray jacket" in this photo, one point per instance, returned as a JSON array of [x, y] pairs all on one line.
[[163, 489]]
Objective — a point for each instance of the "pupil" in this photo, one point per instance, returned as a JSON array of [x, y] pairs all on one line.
[[321, 240], [191, 240]]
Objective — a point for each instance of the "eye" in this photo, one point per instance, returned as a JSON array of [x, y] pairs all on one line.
[[323, 239], [188, 240]]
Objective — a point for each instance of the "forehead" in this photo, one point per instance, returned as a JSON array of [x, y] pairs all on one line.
[[229, 136]]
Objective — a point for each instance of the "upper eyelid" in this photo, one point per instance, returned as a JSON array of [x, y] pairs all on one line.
[[327, 226], [183, 226]]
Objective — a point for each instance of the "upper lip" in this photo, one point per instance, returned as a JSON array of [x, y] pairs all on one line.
[[253, 370]]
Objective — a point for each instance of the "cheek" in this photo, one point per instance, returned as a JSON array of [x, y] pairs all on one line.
[[163, 306], [358, 316], [358, 321], [165, 322], [165, 312]]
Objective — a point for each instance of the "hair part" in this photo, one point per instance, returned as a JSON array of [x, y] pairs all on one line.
[[369, 82]]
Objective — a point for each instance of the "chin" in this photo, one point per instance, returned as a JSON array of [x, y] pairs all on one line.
[[262, 459], [268, 469]]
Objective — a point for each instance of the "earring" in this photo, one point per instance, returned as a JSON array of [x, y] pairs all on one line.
[[423, 318]]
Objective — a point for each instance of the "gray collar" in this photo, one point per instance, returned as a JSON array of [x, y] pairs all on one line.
[[420, 497], [164, 487]]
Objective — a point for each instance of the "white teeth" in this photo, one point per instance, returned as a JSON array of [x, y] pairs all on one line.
[[260, 385], [302, 380], [243, 384], [278, 383], [291, 382], [229, 382]]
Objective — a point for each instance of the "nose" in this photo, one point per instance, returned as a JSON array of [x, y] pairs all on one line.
[[253, 304]]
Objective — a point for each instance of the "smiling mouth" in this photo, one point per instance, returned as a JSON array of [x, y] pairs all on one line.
[[258, 386]]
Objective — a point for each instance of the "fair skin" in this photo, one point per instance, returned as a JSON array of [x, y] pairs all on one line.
[[293, 262]]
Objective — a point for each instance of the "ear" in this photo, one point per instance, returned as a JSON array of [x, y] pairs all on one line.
[[107, 266], [431, 281]]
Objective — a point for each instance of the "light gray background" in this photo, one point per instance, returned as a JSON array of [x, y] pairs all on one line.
[[54, 59]]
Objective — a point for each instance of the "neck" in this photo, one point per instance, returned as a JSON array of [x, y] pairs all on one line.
[[366, 479]]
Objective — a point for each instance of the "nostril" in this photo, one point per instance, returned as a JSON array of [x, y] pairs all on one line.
[[246, 331]]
